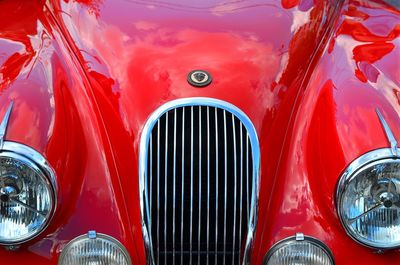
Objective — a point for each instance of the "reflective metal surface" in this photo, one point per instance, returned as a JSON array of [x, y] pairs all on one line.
[[4, 123], [199, 78], [376, 158], [34, 161], [299, 249], [389, 134], [151, 131], [94, 248], [36, 212]]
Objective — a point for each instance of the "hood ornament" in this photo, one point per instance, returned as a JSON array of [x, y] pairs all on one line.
[[199, 78]]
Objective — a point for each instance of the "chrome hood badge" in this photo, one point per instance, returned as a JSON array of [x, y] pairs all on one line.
[[199, 78]]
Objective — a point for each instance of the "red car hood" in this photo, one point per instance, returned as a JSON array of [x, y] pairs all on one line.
[[309, 74]]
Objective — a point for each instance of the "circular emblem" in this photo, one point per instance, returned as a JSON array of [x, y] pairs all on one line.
[[199, 78]]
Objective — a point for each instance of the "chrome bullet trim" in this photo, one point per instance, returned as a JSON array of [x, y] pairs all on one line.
[[4, 124], [389, 134]]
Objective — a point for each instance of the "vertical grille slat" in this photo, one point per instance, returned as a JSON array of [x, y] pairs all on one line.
[[174, 192], [191, 184], [216, 186], [199, 188], [235, 190], [241, 186], [151, 179], [165, 188], [225, 184], [200, 179], [247, 179], [158, 192], [183, 179], [208, 185]]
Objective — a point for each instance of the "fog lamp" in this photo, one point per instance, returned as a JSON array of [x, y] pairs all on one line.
[[94, 249], [299, 250]]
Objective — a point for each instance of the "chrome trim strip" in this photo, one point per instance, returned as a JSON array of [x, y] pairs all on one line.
[[208, 184], [389, 134], [225, 184], [247, 178], [241, 186], [183, 178], [151, 178], [253, 139], [158, 192], [4, 124], [174, 193], [235, 187], [216, 185], [165, 187], [191, 183], [199, 232]]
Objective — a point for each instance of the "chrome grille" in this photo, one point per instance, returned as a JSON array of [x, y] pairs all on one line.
[[197, 184]]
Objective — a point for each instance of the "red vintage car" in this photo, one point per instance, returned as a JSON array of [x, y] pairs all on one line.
[[163, 132]]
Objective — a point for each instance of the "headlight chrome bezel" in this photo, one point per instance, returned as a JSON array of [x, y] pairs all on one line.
[[39, 165], [298, 238], [378, 156]]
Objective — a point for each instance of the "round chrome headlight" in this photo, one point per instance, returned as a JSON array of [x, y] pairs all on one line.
[[368, 199], [299, 250], [27, 193], [92, 249]]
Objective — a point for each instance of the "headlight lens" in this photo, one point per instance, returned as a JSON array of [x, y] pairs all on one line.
[[299, 250], [369, 200], [93, 249], [27, 197]]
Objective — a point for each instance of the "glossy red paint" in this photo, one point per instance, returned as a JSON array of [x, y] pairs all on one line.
[[335, 123], [85, 75], [53, 113]]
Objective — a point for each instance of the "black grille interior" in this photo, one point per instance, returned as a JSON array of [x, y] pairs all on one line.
[[203, 155]]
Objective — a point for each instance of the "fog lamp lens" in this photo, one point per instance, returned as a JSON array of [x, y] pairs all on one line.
[[299, 250], [94, 249]]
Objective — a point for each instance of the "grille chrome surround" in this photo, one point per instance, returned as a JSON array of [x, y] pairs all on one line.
[[230, 114]]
